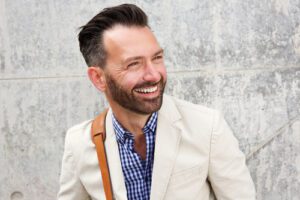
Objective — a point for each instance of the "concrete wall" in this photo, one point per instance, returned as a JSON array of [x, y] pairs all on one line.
[[240, 56]]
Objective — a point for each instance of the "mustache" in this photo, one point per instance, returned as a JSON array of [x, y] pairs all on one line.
[[148, 84]]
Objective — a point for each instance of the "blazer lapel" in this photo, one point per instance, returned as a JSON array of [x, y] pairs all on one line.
[[113, 158], [166, 147]]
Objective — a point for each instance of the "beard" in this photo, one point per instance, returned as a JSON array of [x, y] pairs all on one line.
[[128, 99]]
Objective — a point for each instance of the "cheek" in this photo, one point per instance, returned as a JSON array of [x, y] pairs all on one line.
[[130, 81], [126, 81], [163, 72]]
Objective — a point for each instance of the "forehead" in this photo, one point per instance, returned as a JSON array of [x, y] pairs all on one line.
[[122, 41]]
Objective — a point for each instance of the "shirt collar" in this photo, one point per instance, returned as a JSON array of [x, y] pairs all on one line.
[[122, 134]]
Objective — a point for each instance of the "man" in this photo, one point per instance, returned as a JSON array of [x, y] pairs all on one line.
[[158, 147]]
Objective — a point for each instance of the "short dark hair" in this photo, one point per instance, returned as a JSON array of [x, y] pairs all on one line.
[[91, 35]]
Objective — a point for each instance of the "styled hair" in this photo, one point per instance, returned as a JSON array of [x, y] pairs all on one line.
[[91, 35]]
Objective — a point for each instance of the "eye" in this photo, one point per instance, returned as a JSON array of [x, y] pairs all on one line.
[[133, 64], [158, 57]]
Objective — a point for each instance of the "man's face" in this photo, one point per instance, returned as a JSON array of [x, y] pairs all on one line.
[[135, 73]]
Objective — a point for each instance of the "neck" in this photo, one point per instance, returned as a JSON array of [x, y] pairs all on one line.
[[131, 121]]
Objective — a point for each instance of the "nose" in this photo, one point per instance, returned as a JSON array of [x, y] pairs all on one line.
[[151, 73]]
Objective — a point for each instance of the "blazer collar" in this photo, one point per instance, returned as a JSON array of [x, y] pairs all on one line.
[[169, 109]]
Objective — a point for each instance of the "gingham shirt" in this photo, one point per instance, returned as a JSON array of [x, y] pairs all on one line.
[[137, 172]]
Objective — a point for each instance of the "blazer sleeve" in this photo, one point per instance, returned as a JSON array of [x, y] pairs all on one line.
[[71, 187], [228, 174]]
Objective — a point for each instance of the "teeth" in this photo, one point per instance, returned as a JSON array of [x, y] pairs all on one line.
[[146, 90]]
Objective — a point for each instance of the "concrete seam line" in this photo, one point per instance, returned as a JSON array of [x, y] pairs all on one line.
[[171, 73], [272, 137], [42, 77]]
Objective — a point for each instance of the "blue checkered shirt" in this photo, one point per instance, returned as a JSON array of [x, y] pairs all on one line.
[[137, 172]]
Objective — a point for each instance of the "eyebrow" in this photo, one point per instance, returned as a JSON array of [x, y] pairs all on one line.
[[140, 57], [159, 52]]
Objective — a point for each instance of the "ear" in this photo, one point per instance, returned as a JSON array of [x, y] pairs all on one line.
[[97, 77]]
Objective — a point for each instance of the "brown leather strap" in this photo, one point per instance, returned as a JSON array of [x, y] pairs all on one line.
[[98, 138]]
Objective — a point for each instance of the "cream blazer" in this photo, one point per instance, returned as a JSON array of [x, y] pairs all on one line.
[[196, 155]]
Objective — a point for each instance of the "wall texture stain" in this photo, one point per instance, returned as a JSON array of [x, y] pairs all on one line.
[[241, 57]]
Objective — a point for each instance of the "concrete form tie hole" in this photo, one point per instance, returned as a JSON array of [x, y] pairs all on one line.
[[16, 195]]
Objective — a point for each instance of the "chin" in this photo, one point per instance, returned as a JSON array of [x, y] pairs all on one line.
[[148, 107]]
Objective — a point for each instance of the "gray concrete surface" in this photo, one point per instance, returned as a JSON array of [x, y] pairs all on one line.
[[242, 57]]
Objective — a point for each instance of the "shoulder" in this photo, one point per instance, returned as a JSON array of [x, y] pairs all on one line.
[[190, 110], [77, 130], [185, 105], [197, 120], [78, 137]]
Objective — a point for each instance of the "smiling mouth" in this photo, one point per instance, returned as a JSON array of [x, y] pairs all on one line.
[[146, 90]]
